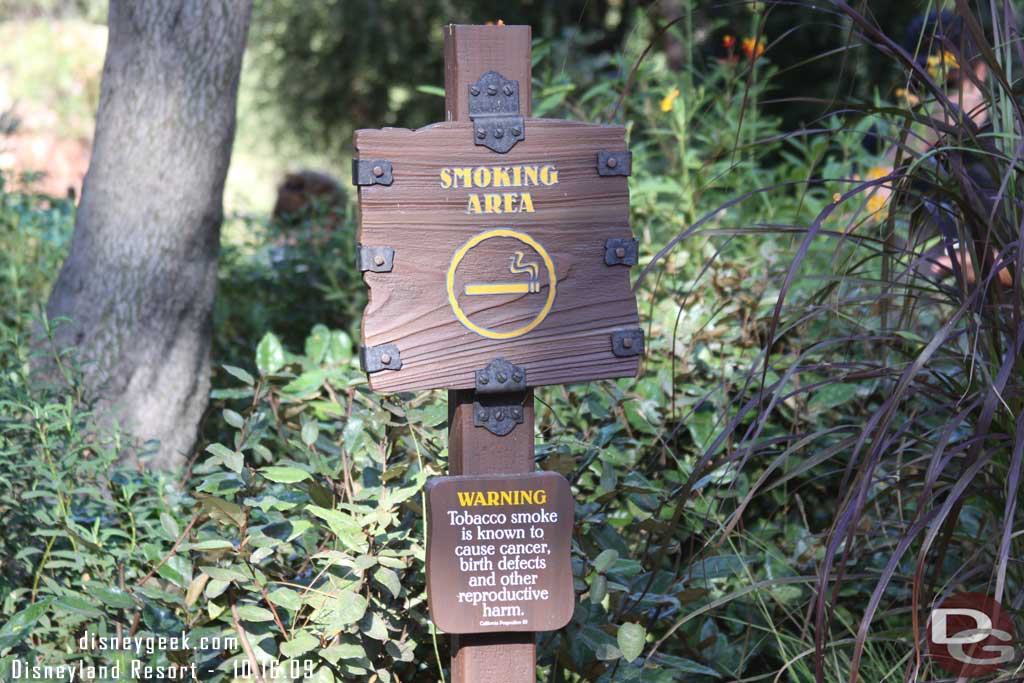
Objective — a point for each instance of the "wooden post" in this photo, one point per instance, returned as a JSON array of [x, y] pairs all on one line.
[[469, 52]]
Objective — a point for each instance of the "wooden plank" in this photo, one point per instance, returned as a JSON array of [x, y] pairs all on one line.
[[471, 51], [426, 225], [490, 657]]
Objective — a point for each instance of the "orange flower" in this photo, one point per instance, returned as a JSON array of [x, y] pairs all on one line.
[[907, 96], [880, 194], [669, 100], [753, 49], [728, 41]]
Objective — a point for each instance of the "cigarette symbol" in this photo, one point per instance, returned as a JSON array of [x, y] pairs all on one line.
[[516, 266]]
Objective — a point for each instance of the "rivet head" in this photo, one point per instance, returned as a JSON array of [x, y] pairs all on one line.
[[378, 171], [516, 132], [492, 90], [611, 162], [517, 376], [620, 252], [516, 413], [378, 260], [499, 415], [627, 343], [474, 91], [484, 379], [481, 133], [385, 358], [498, 133], [502, 377], [507, 90], [481, 415]]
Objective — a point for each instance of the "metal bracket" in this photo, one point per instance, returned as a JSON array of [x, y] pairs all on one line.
[[498, 407], [494, 110], [377, 358], [371, 172], [620, 251], [375, 259], [614, 163], [626, 343]]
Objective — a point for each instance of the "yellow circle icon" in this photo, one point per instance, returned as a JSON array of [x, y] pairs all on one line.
[[531, 286]]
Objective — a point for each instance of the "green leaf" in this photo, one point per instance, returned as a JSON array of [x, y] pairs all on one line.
[[77, 605], [240, 374], [347, 529], [234, 460], [352, 431], [111, 596], [170, 526], [349, 607], [303, 642], [339, 348], [285, 475], [269, 354], [316, 343], [286, 597], [631, 639], [598, 589], [211, 544], [343, 651], [306, 383], [389, 580], [375, 627], [223, 511], [233, 418], [310, 431], [605, 560], [430, 90], [254, 613], [21, 624]]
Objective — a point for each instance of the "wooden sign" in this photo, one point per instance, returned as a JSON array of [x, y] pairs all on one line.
[[472, 255], [498, 552]]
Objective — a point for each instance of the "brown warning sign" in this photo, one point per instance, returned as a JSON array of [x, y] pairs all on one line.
[[498, 552]]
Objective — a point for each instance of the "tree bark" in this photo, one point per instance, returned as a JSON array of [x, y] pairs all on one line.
[[139, 281]]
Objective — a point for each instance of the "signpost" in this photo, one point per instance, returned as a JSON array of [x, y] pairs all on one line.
[[496, 248]]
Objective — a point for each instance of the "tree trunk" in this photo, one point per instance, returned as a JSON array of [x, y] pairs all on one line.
[[139, 281]]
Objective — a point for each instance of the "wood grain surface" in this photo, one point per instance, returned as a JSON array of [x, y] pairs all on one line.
[[426, 225], [471, 51]]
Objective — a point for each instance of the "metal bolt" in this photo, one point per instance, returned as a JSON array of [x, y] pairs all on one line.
[[499, 415], [620, 252], [385, 358], [474, 91], [481, 415], [492, 90], [378, 171], [517, 376], [502, 377], [498, 132], [481, 133], [484, 379], [611, 162], [507, 90], [378, 260], [517, 413], [516, 132], [627, 343]]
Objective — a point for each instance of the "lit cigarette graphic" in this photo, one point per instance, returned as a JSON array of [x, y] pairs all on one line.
[[516, 265], [510, 288]]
